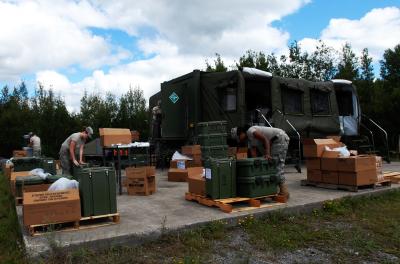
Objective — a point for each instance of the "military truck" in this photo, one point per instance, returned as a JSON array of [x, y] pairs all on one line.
[[302, 108]]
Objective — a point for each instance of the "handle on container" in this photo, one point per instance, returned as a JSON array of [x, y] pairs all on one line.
[[257, 163]]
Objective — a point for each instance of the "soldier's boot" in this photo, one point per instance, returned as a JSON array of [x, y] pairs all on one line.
[[283, 190]]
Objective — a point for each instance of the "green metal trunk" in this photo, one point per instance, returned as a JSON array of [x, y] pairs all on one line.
[[213, 127], [49, 166], [97, 191], [253, 167], [214, 152], [26, 163], [257, 186], [54, 178], [220, 178], [26, 180], [212, 139]]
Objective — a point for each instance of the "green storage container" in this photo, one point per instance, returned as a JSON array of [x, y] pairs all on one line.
[[214, 151], [213, 127], [76, 170], [49, 165], [220, 178], [253, 167], [212, 139], [257, 186], [26, 163], [54, 178], [97, 190], [26, 180]]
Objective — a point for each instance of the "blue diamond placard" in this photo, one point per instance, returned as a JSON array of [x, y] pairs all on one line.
[[174, 97]]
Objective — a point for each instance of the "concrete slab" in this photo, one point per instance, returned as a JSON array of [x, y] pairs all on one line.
[[144, 217]]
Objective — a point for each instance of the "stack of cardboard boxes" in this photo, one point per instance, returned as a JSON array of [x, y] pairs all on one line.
[[179, 169], [328, 167], [141, 180], [110, 136]]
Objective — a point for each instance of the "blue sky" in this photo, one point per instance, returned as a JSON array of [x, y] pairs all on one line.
[[77, 46]]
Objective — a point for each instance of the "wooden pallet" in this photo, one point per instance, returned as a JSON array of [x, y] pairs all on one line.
[[391, 175], [83, 223], [230, 205], [350, 188]]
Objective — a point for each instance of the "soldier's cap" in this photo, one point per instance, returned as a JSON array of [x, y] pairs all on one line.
[[89, 131]]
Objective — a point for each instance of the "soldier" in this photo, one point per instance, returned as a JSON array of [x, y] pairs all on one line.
[[67, 150], [275, 144], [157, 120], [34, 142]]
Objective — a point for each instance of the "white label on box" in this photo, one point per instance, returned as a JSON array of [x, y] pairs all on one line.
[[208, 174], [180, 164]]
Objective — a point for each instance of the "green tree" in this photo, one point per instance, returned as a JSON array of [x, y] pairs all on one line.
[[348, 65], [322, 63], [218, 66], [367, 70], [390, 66]]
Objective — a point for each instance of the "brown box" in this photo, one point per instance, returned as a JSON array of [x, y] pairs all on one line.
[[232, 151], [13, 176], [174, 164], [150, 171], [313, 164], [359, 178], [336, 138], [19, 153], [314, 175], [242, 150], [177, 175], [7, 169], [110, 136], [313, 148], [330, 177], [379, 163], [197, 185], [329, 164], [141, 186], [357, 163], [191, 150], [196, 162], [195, 171], [36, 188], [140, 172], [51, 207], [240, 156]]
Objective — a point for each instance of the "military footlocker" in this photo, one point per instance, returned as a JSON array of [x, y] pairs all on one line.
[[212, 139], [25, 181], [26, 163], [54, 178], [49, 166], [220, 178], [213, 127], [253, 167], [214, 151], [97, 190], [256, 177]]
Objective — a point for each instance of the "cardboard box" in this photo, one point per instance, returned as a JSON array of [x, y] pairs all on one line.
[[13, 177], [314, 175], [36, 188], [313, 148], [330, 177], [195, 171], [242, 150], [19, 153], [313, 164], [7, 169], [197, 185], [179, 164], [379, 164], [240, 156], [232, 151], [357, 163], [110, 136], [150, 171], [196, 162], [329, 164], [177, 175], [140, 172], [191, 150], [336, 138], [353, 152], [359, 178], [51, 207]]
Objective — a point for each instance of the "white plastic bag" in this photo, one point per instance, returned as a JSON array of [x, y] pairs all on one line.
[[63, 184], [179, 156], [39, 172], [344, 152]]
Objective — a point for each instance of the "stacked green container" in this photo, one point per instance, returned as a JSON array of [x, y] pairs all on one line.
[[26, 163], [97, 190], [220, 178], [256, 177], [212, 137], [26, 180], [49, 165]]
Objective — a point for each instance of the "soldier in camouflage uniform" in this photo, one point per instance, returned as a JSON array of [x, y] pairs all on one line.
[[272, 142]]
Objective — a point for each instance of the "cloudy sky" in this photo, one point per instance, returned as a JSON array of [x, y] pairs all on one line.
[[99, 45]]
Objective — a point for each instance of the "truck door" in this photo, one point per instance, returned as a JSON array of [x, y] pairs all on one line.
[[174, 110]]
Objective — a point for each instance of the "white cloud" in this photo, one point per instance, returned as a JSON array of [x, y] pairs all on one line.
[[378, 30]]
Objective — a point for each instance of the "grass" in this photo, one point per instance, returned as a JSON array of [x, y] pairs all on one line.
[[348, 230]]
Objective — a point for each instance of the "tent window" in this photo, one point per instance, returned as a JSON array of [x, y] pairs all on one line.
[[292, 101], [320, 104], [345, 103], [229, 99]]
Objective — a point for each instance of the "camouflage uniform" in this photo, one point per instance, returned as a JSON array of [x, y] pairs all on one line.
[[279, 148]]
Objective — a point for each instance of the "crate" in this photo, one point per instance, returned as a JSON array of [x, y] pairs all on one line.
[[141, 186], [212, 139], [213, 127], [49, 165], [220, 178], [214, 151], [26, 163], [254, 167], [20, 182]]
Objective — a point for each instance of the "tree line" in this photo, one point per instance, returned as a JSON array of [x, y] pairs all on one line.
[[46, 114], [379, 95]]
